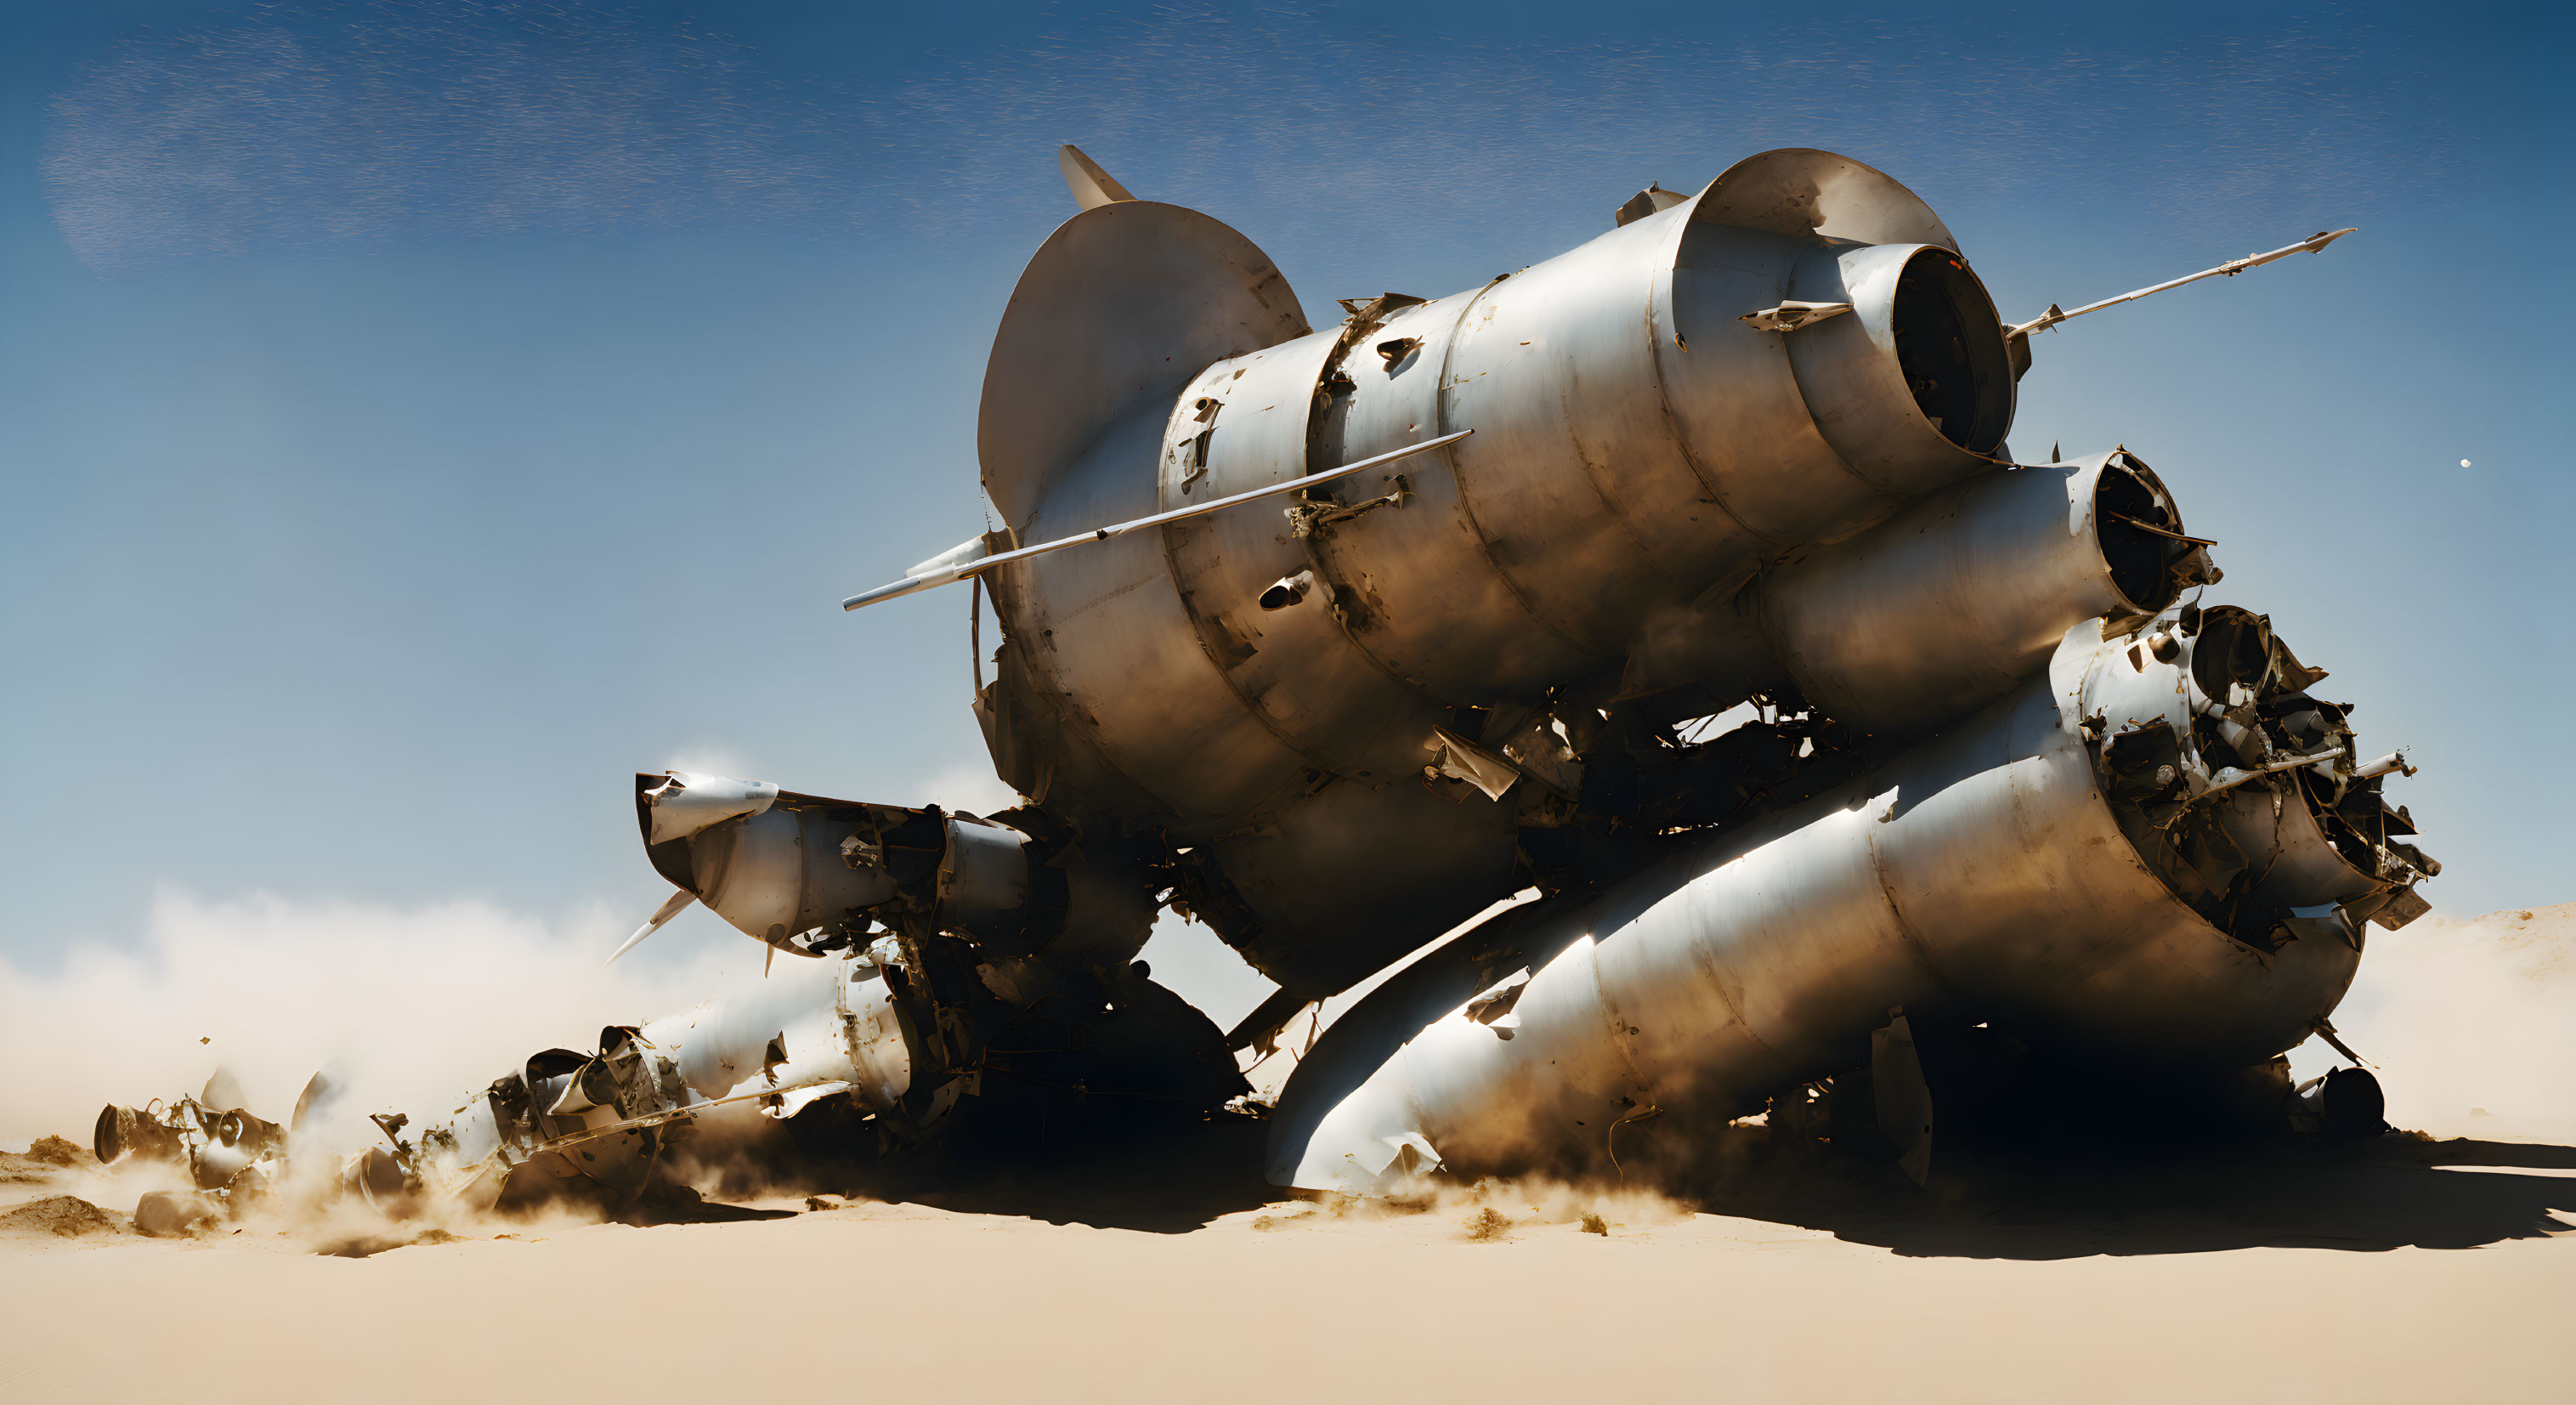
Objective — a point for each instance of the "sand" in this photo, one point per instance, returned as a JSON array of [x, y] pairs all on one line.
[[880, 1301], [2398, 1268]]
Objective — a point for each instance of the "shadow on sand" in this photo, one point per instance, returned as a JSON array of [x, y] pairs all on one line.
[[2372, 1194], [1163, 1178], [2030, 1201]]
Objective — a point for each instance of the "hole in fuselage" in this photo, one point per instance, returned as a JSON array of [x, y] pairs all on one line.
[[1287, 590], [2141, 560], [1950, 345], [2233, 647]]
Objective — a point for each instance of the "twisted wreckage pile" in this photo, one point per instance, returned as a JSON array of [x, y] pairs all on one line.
[[1332, 639]]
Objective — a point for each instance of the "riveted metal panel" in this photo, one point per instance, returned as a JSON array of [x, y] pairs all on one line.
[[1107, 639], [1423, 589], [1575, 475], [1242, 424]]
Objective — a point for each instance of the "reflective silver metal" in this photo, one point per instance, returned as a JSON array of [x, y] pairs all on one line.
[[687, 803], [1982, 876], [603, 1120], [1638, 446], [983, 877], [1285, 648], [780, 873], [1092, 187], [1790, 316], [1942, 608], [671, 907], [1122, 304]]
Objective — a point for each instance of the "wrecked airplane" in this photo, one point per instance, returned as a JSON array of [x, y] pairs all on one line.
[[1686, 578]]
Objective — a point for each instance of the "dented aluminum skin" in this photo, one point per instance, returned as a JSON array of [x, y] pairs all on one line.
[[1637, 447], [2018, 868], [1747, 449], [1333, 637]]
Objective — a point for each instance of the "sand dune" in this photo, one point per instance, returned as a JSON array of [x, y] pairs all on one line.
[[1287, 1303]]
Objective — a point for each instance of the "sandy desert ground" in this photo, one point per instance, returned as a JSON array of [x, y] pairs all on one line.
[[2431, 1266]]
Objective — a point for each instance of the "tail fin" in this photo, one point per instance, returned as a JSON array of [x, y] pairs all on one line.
[[1123, 304]]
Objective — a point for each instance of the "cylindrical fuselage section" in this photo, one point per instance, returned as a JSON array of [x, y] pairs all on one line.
[[808, 1026], [825, 1021], [1982, 876], [1948, 605], [1636, 442], [1942, 608], [1636, 445], [781, 873]]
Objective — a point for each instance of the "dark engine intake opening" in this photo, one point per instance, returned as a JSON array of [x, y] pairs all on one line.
[[2140, 536], [1950, 345]]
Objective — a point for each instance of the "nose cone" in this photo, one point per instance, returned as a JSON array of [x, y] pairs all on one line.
[[1914, 385]]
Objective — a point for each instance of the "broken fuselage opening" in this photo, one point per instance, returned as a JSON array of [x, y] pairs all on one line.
[[2242, 792], [1989, 873], [2141, 537]]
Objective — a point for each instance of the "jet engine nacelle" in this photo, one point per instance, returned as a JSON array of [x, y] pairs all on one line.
[[1942, 608]]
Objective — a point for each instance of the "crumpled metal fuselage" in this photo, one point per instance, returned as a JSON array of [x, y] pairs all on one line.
[[599, 1123], [1987, 874], [1747, 446], [1640, 454], [1529, 549]]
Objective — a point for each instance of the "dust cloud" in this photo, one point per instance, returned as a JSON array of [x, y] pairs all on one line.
[[2466, 1020], [424, 1005], [421, 1006]]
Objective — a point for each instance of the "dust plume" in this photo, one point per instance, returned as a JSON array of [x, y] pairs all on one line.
[[2466, 1015], [422, 1005]]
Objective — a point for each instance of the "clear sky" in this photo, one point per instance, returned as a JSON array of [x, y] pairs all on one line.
[[416, 418]]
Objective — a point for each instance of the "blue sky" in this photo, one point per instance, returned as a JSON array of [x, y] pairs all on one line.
[[414, 419]]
